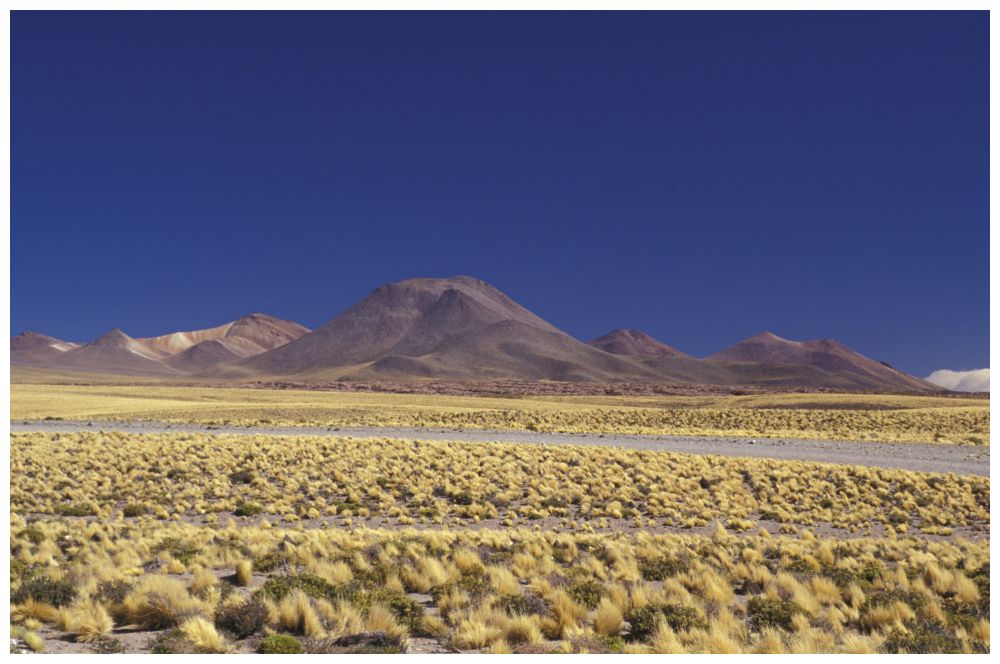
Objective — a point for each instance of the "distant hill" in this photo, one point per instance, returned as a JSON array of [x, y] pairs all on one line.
[[828, 355], [115, 352], [634, 343], [32, 348], [200, 350], [460, 328]]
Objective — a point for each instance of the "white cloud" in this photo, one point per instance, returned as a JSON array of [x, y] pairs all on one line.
[[977, 380]]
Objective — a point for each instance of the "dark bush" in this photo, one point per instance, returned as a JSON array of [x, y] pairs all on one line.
[[133, 510], [587, 592], [113, 592], [658, 569], [768, 612], [107, 646], [243, 619], [269, 562], [460, 498], [521, 604], [245, 508], [682, 618], [643, 622], [241, 477], [44, 589], [369, 643]]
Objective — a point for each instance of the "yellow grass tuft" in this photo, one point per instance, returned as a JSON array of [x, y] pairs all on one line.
[[297, 615], [202, 634], [91, 621], [523, 629], [244, 573], [608, 618], [472, 634]]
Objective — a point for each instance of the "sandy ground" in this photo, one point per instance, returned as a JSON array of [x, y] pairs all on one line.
[[923, 457]]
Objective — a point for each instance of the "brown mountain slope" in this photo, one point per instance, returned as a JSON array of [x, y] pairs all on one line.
[[634, 343], [37, 349], [844, 365], [201, 350], [203, 356], [115, 352], [456, 328], [248, 335]]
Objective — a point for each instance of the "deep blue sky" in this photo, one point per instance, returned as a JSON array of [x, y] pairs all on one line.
[[699, 176]]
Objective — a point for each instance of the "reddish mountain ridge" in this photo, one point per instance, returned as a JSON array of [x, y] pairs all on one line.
[[460, 328], [176, 353]]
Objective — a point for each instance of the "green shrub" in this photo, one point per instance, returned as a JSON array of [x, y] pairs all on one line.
[[277, 587], [407, 611], [33, 535], [172, 642], [476, 585], [923, 639], [75, 509], [279, 644], [643, 622], [179, 549], [611, 644]]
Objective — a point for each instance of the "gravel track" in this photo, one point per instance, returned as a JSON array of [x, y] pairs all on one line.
[[924, 457]]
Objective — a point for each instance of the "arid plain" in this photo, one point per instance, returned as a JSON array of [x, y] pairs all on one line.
[[438, 469], [177, 518]]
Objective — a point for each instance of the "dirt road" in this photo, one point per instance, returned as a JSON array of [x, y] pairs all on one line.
[[925, 457]]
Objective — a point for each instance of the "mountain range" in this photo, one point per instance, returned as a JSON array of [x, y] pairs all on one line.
[[459, 328]]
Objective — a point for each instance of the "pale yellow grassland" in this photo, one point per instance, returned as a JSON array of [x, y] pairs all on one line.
[[613, 592], [485, 546], [337, 481], [815, 416]]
